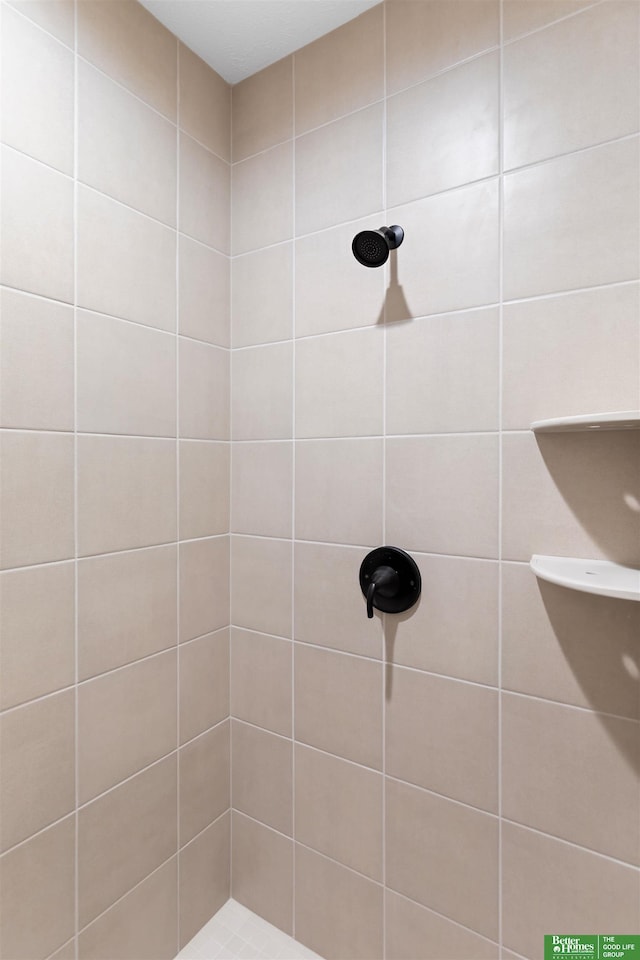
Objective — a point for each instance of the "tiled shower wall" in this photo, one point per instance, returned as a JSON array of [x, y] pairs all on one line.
[[494, 731], [114, 739], [466, 779]]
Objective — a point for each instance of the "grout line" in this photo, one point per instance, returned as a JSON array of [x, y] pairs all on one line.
[[218, 536], [386, 666], [293, 506], [178, 434], [112, 316], [501, 209], [112, 553], [230, 481], [443, 916], [116, 436], [231, 491], [506, 691], [546, 26], [514, 301], [76, 550]]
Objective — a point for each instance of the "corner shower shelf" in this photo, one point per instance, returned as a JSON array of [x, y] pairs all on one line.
[[601, 577], [623, 420]]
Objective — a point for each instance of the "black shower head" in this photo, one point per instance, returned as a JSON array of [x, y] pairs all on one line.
[[371, 247]]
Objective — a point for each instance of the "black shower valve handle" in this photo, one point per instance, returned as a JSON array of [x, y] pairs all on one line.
[[390, 580], [386, 582]]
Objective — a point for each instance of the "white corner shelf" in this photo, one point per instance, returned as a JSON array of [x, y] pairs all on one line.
[[622, 420], [602, 577]]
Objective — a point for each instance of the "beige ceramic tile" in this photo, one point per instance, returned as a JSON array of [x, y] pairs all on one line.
[[112, 36], [36, 519], [567, 646], [142, 924], [205, 103], [523, 16], [262, 392], [204, 488], [261, 680], [262, 199], [124, 835], [442, 494], [262, 776], [444, 132], [449, 258], [412, 931], [563, 88], [37, 93], [204, 195], [339, 810], [334, 291], [126, 262], [204, 586], [427, 36], [204, 684], [262, 489], [338, 704], [329, 606], [338, 385], [263, 109], [126, 377], [127, 493], [57, 17], [443, 735], [323, 888], [37, 630], [442, 374], [204, 877], [203, 378], [422, 828], [126, 608], [204, 781], [544, 747], [109, 120], [262, 871], [38, 888], [580, 496], [454, 628], [261, 585], [37, 745], [204, 290], [340, 72], [36, 223], [572, 222], [330, 187], [584, 344], [339, 491], [262, 296], [36, 363], [549, 885], [126, 720]]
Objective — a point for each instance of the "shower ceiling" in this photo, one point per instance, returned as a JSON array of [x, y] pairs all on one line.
[[240, 37]]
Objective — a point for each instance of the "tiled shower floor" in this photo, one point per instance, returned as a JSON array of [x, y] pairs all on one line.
[[236, 933]]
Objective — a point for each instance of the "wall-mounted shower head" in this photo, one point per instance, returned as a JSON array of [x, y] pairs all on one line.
[[371, 247]]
